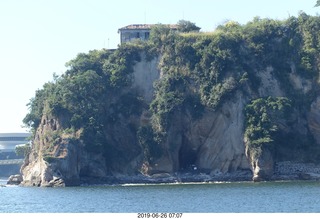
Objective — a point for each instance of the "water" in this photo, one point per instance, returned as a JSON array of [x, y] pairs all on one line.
[[245, 197]]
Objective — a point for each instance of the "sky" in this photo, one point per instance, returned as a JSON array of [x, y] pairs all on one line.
[[38, 37]]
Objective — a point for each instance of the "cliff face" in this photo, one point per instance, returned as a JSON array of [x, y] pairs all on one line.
[[214, 143], [49, 160], [313, 119], [62, 159]]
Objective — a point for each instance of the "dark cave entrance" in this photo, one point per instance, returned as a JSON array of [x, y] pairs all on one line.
[[187, 158]]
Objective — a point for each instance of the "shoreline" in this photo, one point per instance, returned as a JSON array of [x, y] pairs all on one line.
[[200, 183], [194, 180], [283, 171], [180, 183]]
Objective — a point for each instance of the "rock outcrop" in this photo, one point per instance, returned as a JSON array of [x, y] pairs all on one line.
[[213, 144], [179, 106], [262, 166], [314, 119], [60, 164], [15, 180], [48, 161]]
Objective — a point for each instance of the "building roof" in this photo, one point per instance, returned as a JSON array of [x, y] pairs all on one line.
[[145, 26]]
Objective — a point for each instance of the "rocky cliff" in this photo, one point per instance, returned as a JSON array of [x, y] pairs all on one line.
[[237, 101]]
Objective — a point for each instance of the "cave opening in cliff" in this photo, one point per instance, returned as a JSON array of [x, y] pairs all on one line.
[[187, 158]]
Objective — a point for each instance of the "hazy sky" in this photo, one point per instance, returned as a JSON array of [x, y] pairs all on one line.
[[39, 36]]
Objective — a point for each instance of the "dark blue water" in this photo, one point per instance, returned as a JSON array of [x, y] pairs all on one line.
[[246, 197]]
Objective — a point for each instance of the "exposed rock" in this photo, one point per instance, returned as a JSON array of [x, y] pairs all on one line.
[[57, 182], [288, 170], [34, 172], [46, 162], [15, 179], [304, 176], [270, 85], [219, 138], [263, 166], [299, 83], [67, 163], [314, 119], [145, 73], [314, 176], [212, 143]]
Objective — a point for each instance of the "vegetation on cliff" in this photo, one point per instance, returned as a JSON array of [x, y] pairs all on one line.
[[263, 116], [199, 71]]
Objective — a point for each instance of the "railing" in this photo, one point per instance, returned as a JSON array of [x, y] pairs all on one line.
[[11, 161]]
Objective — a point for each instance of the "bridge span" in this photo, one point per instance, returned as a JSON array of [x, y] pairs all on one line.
[[11, 162], [8, 141]]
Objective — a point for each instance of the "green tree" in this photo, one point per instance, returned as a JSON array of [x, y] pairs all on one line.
[[22, 150], [317, 4], [262, 118], [187, 26]]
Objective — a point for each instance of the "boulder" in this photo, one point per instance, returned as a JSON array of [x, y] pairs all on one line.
[[15, 179], [263, 166]]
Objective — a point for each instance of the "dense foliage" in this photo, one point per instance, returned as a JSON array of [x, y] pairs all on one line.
[[210, 66], [84, 95], [263, 116], [187, 26], [199, 70]]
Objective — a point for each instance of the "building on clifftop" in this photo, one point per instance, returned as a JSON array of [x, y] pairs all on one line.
[[138, 32]]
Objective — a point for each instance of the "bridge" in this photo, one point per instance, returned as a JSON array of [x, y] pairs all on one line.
[[12, 162], [8, 141]]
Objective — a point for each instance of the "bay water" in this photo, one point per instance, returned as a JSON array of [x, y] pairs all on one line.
[[235, 197]]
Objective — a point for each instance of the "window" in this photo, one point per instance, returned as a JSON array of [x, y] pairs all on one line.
[[146, 35]]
